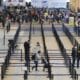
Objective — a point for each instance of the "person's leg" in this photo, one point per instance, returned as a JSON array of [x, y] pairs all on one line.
[[73, 62], [44, 68], [9, 26], [77, 62], [36, 65], [28, 64]]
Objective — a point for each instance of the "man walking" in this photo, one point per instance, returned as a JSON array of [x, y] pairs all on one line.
[[78, 56], [74, 54], [27, 49]]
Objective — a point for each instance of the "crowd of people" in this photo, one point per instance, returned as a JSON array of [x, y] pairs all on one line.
[[23, 15]]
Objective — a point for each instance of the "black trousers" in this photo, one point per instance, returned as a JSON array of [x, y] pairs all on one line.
[[36, 65], [78, 59], [27, 60], [73, 61]]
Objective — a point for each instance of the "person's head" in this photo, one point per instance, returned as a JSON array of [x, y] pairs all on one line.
[[43, 59], [28, 41], [74, 45], [38, 44], [39, 52]]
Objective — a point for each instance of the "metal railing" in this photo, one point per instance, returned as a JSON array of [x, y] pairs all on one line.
[[67, 59], [67, 32], [50, 75], [28, 60], [73, 72], [7, 58]]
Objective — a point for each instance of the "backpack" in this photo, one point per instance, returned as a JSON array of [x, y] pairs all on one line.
[[33, 57]]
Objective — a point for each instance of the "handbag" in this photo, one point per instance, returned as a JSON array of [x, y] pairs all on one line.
[[33, 57]]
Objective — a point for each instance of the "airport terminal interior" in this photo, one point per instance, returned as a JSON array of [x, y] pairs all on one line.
[[39, 40]]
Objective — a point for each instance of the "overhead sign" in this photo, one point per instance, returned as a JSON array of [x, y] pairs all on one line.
[[37, 3], [44, 3], [57, 5], [49, 3], [9, 0], [20, 0]]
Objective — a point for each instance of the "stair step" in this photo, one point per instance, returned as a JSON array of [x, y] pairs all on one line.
[[38, 77], [13, 77]]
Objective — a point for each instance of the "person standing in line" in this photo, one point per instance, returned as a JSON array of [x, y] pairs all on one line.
[[78, 56], [67, 18], [19, 19], [8, 22], [78, 26], [27, 49], [3, 20], [78, 21], [74, 54]]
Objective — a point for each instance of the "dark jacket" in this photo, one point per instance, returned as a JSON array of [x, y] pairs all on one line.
[[26, 46], [74, 52], [78, 54]]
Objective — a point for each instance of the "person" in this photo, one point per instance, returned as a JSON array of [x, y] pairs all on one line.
[[27, 49], [78, 21], [78, 26], [50, 18], [67, 18], [3, 21], [78, 56], [38, 47], [74, 54], [8, 22], [19, 19], [25, 74], [36, 60]]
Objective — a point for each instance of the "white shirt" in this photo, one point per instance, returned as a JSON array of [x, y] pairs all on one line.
[[35, 51]]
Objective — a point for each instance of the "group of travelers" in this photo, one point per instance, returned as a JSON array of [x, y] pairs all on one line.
[[36, 56], [21, 15], [39, 15], [75, 55]]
